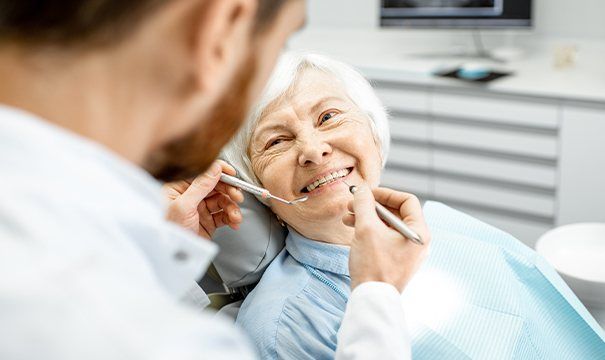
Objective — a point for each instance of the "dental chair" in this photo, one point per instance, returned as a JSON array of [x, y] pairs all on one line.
[[244, 256]]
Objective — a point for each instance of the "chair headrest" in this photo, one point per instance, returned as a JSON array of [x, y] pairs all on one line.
[[245, 254]]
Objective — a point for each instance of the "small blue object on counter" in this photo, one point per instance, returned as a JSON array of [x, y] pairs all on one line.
[[473, 71]]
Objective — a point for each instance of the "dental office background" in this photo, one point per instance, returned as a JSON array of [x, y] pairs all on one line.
[[524, 152]]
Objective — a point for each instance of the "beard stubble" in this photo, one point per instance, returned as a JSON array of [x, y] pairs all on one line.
[[192, 154]]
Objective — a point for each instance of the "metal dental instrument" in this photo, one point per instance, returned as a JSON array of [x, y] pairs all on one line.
[[259, 191], [393, 220]]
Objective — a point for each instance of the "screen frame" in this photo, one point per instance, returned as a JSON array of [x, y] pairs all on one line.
[[392, 17]]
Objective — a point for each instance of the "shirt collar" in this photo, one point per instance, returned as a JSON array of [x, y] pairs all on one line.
[[320, 255]]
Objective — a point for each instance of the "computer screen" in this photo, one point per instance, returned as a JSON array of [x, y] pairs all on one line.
[[456, 13]]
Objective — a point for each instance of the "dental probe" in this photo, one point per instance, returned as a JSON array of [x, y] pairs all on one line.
[[253, 189], [393, 220]]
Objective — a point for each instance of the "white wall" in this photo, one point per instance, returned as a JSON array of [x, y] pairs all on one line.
[[561, 18], [343, 13], [571, 18]]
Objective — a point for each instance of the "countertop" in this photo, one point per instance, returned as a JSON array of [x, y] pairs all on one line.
[[393, 56]]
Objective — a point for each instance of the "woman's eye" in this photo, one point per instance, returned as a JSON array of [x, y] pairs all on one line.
[[327, 116], [274, 142]]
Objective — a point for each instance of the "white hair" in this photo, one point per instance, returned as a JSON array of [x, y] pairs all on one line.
[[284, 77]]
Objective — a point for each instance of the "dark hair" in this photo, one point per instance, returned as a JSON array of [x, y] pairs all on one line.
[[267, 10], [72, 22]]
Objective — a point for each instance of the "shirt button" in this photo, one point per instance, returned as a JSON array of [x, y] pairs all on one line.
[[181, 256]]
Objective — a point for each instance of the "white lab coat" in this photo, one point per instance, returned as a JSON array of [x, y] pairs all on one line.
[[90, 269]]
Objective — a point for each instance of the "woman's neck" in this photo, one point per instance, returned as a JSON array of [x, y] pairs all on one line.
[[333, 232]]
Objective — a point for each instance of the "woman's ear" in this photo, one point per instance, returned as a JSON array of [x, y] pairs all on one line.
[[221, 41]]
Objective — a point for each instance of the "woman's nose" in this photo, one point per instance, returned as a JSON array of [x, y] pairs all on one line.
[[313, 150]]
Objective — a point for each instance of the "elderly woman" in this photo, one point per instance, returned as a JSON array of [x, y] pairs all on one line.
[[318, 127]]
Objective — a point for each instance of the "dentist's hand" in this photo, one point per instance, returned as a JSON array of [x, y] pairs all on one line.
[[205, 204], [379, 253]]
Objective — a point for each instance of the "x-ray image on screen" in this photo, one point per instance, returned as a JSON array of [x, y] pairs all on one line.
[[448, 8], [469, 14]]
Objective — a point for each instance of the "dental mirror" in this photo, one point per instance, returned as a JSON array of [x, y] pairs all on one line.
[[253, 189]]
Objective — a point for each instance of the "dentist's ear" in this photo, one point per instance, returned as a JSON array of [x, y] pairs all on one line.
[[221, 40]]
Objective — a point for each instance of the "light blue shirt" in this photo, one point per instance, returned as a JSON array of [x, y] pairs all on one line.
[[296, 309], [480, 294], [89, 267]]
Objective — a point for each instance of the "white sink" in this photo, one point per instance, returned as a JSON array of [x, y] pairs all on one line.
[[577, 251]]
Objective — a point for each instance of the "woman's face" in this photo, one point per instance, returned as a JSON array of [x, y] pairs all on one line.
[[308, 143]]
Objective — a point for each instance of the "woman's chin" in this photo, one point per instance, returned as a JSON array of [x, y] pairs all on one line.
[[327, 210]]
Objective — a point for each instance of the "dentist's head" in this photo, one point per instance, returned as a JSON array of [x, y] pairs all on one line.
[[164, 83]]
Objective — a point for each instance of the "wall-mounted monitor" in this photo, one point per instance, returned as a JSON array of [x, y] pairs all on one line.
[[456, 13]]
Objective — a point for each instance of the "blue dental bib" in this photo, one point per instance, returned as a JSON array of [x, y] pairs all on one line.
[[482, 294]]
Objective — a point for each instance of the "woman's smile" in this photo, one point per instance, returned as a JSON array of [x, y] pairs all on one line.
[[326, 181]]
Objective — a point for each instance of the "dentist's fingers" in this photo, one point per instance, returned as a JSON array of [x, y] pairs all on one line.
[[349, 220], [234, 193], [364, 207], [362, 210], [206, 219], [188, 206], [221, 202], [175, 189], [202, 185], [378, 252], [206, 184], [226, 168], [407, 206], [222, 219]]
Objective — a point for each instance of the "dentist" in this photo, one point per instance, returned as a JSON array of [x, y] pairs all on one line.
[[96, 99]]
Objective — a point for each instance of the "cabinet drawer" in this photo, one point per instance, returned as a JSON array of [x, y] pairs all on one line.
[[412, 182], [501, 110], [408, 155], [495, 168], [495, 197], [508, 142], [409, 128], [406, 100]]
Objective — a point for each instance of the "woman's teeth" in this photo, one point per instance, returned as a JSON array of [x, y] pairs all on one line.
[[328, 179]]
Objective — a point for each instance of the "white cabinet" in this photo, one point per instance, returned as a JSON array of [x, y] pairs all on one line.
[[404, 99], [519, 228], [522, 164], [501, 109], [503, 141], [409, 127], [407, 155], [408, 181], [498, 169], [496, 196], [582, 165]]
